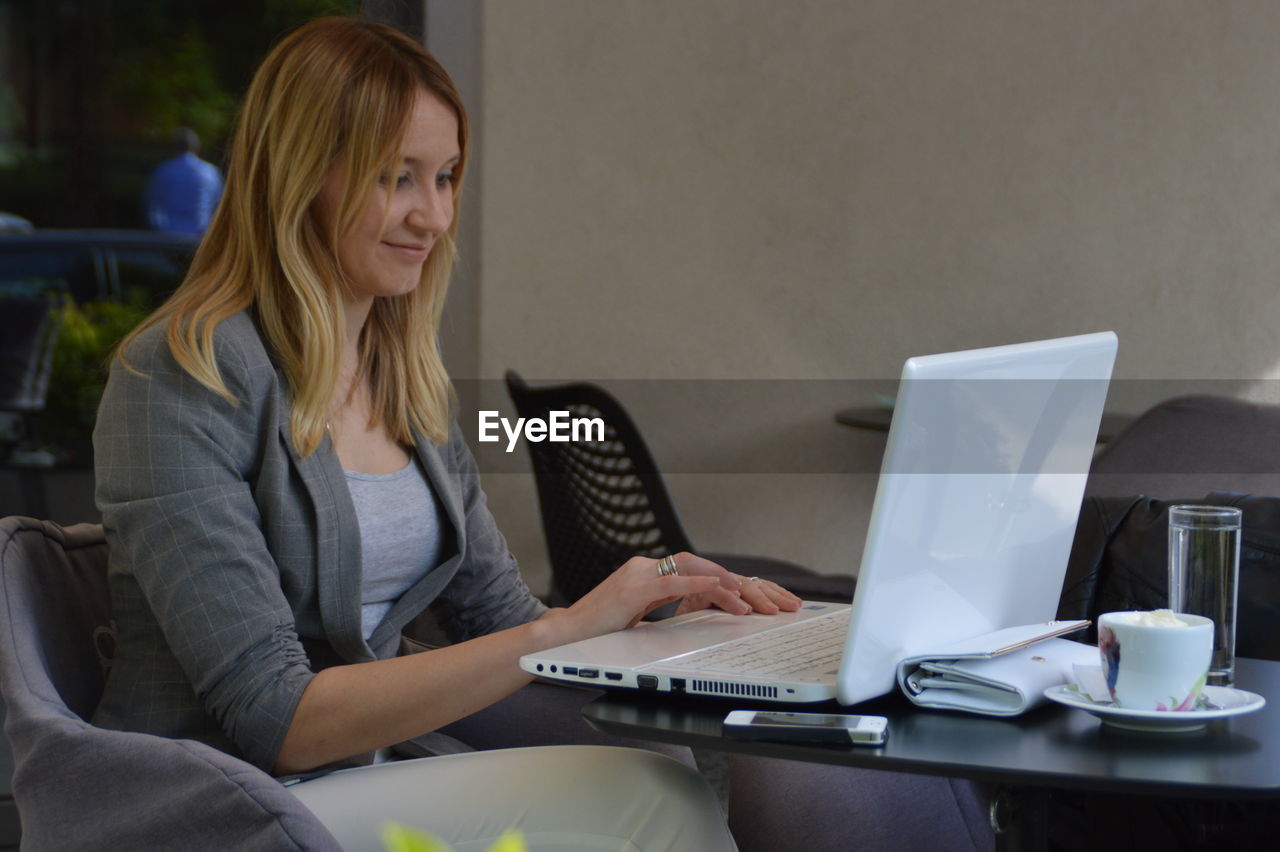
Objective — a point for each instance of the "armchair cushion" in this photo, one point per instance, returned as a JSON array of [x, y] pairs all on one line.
[[80, 787]]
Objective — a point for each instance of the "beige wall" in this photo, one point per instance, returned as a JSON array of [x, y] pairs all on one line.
[[751, 189]]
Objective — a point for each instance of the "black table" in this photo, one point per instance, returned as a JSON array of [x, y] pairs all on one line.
[[1051, 747]]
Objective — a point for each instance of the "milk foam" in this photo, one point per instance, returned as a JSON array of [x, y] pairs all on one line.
[[1154, 618]]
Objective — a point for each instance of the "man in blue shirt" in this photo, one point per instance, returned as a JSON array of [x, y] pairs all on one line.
[[183, 191]]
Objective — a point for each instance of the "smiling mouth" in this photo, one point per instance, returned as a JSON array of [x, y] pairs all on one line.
[[411, 250]]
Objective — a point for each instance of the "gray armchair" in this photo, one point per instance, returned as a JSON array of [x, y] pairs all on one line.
[[1189, 446], [82, 787]]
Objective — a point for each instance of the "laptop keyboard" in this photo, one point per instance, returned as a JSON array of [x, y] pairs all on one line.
[[808, 651]]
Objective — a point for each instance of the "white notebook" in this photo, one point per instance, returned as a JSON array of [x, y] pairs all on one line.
[[1004, 673]]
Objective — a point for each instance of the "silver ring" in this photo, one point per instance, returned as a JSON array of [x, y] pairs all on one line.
[[754, 579], [667, 567]]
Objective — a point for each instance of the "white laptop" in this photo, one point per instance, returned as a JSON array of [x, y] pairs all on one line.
[[974, 515]]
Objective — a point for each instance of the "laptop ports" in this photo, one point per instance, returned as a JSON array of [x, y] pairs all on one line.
[[589, 673], [677, 684], [647, 681]]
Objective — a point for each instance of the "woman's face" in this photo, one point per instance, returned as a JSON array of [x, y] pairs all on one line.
[[384, 257]]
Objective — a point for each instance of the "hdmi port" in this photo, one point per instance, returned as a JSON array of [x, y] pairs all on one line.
[[613, 675]]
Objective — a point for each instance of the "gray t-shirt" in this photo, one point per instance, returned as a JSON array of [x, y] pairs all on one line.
[[399, 536]]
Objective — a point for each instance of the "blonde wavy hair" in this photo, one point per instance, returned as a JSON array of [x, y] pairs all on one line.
[[336, 90]]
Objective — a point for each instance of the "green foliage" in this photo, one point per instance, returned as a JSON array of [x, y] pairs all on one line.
[[185, 64], [147, 67], [87, 336], [173, 84]]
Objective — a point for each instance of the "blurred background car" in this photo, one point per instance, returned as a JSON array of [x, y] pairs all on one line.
[[93, 265], [11, 223], [66, 299]]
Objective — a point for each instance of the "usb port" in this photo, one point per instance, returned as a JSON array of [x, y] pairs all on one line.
[[571, 670], [647, 681], [588, 673], [613, 675]]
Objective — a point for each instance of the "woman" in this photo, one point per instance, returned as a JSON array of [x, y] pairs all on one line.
[[283, 490]]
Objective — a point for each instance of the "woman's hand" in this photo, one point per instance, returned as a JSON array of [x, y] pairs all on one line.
[[756, 594], [636, 589]]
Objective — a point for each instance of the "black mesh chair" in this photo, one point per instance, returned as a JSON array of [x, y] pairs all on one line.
[[604, 502]]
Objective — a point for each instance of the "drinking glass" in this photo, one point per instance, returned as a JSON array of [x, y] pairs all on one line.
[[1204, 573]]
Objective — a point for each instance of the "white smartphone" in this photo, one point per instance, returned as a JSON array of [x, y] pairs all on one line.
[[806, 727]]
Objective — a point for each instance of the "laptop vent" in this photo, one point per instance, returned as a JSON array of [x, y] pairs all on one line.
[[722, 688]]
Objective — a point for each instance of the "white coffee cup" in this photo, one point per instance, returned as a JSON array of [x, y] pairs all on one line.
[[1156, 660]]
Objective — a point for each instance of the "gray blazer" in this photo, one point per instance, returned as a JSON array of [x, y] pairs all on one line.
[[235, 562]]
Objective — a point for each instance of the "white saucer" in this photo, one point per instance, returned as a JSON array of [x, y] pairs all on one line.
[[1216, 702]]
